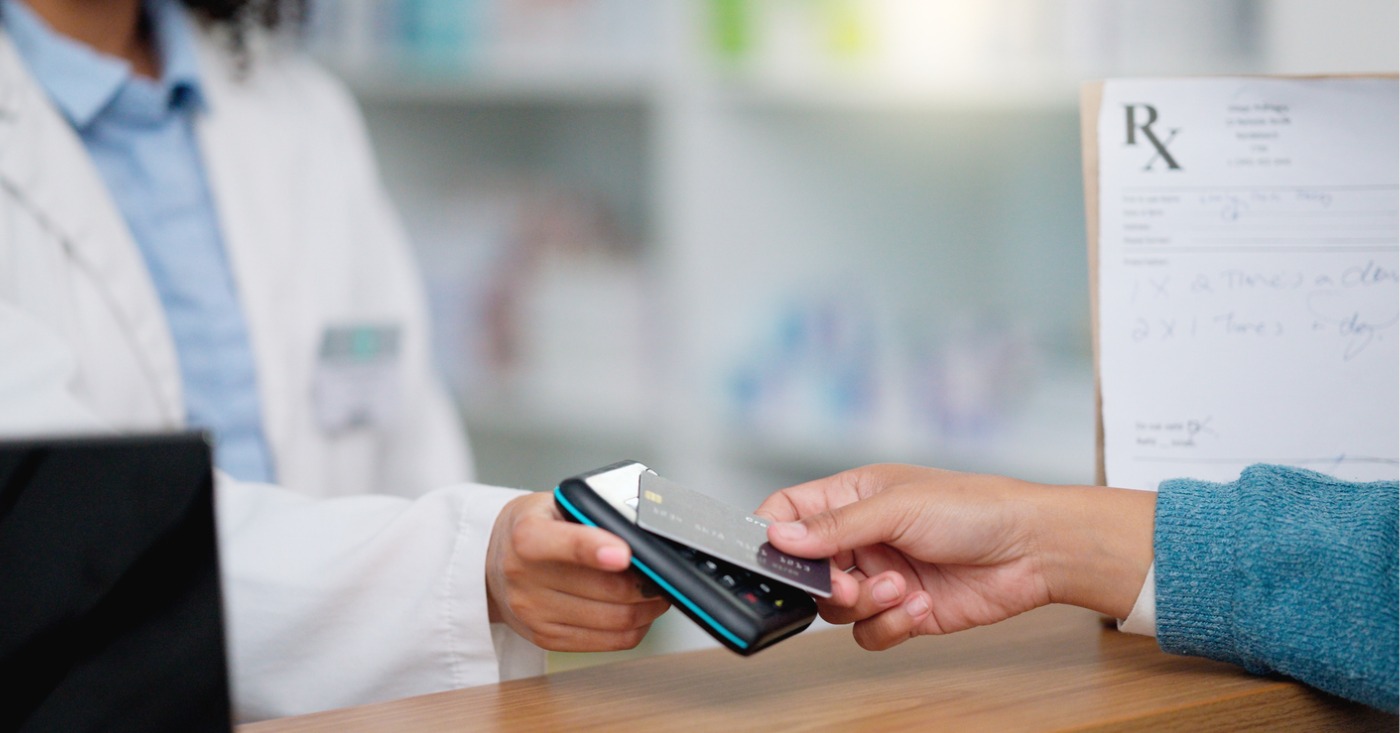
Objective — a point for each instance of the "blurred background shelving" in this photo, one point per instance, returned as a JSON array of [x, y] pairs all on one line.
[[751, 242]]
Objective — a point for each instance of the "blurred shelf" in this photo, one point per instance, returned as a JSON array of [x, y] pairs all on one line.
[[532, 415], [833, 94], [611, 84], [1050, 439], [556, 84]]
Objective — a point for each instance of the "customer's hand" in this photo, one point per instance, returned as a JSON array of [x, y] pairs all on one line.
[[565, 586], [933, 552]]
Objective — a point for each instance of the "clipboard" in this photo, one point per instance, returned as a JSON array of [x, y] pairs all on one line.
[[1090, 99]]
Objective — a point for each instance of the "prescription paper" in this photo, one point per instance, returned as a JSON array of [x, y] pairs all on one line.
[[1247, 270]]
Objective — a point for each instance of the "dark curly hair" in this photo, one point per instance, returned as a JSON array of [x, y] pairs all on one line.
[[241, 13]]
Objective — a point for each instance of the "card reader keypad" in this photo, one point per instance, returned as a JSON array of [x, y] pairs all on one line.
[[756, 593]]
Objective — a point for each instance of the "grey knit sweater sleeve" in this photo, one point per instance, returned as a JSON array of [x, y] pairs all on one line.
[[1284, 571]]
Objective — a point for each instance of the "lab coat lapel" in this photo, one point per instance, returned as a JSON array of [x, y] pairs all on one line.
[[45, 170], [240, 146]]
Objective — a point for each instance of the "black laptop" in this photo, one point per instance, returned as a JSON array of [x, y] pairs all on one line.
[[110, 612]]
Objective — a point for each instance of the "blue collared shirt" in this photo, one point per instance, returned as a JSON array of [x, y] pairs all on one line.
[[141, 137]]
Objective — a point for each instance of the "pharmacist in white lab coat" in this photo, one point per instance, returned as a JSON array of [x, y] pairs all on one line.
[[186, 243]]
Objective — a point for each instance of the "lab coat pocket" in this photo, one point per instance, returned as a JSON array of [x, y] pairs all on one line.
[[357, 383]]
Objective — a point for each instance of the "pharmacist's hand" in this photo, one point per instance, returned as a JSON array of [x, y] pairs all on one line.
[[564, 586], [933, 552]]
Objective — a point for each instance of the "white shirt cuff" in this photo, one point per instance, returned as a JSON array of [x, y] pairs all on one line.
[[516, 657], [1143, 618]]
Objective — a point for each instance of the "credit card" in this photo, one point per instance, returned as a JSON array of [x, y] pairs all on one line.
[[715, 528]]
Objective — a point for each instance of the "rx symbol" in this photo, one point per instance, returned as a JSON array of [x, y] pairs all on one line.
[[1143, 127]]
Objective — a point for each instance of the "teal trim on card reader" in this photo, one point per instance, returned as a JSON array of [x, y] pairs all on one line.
[[726, 633]]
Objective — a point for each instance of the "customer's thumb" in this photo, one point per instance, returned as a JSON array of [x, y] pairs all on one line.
[[859, 524]]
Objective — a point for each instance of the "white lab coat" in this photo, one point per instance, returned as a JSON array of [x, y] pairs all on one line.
[[330, 601]]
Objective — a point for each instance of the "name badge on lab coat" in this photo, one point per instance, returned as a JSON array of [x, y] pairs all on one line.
[[357, 383]]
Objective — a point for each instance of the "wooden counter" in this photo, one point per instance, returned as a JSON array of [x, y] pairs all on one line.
[[1054, 669]]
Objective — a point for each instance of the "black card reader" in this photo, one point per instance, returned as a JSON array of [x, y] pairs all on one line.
[[744, 611]]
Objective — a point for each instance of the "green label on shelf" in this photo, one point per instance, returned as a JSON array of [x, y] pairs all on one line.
[[733, 32]]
